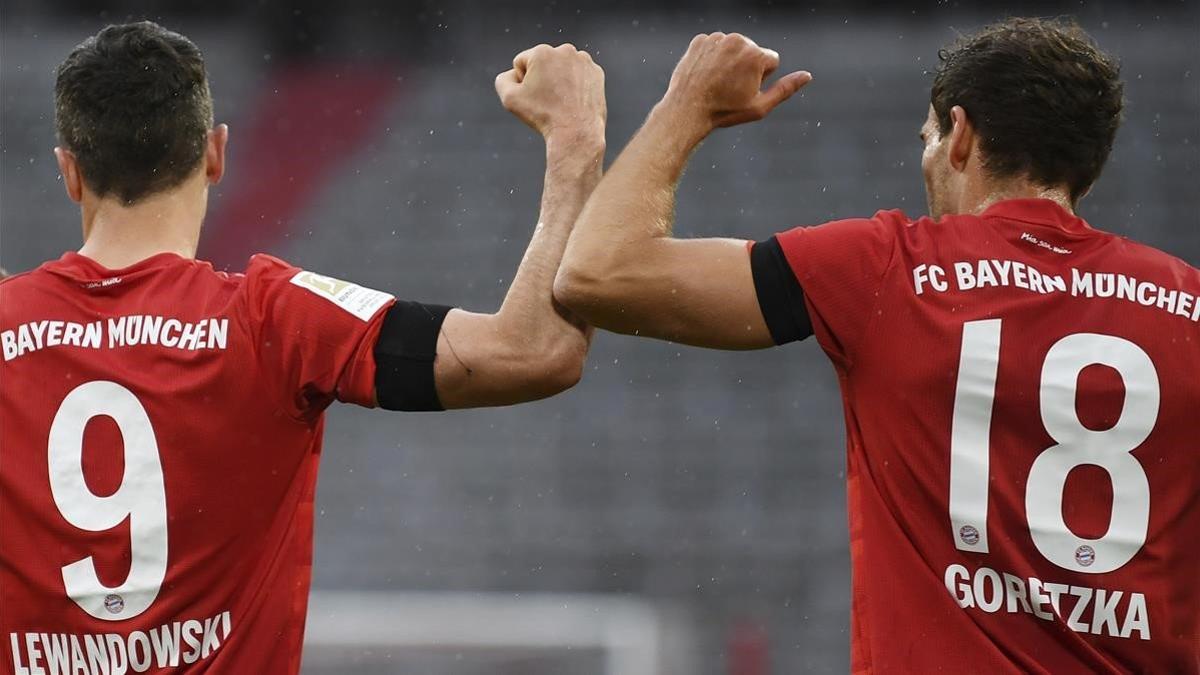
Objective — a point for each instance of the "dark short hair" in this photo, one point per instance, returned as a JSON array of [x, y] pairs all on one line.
[[1044, 98], [132, 104]]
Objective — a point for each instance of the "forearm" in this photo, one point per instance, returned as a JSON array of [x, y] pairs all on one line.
[[626, 220], [636, 200], [574, 164], [532, 347]]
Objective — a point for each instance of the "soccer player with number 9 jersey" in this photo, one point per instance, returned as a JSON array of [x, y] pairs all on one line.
[[1021, 390], [161, 422]]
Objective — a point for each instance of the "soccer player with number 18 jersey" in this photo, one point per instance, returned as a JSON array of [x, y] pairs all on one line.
[[1021, 389]]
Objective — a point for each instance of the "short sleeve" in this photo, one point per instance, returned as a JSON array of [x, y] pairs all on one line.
[[841, 266], [314, 335]]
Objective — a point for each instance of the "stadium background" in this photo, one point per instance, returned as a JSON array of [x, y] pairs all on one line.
[[367, 143]]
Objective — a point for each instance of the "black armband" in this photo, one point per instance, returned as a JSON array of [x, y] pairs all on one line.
[[780, 296], [404, 355]]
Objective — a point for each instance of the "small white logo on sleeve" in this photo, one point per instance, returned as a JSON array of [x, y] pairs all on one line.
[[360, 301]]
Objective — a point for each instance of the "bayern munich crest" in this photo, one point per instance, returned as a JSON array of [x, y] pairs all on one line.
[[1085, 555], [969, 535], [114, 603]]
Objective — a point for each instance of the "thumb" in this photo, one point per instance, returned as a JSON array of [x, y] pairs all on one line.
[[782, 90], [506, 83]]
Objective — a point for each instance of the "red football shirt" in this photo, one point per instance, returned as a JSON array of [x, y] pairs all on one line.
[[1022, 401], [161, 430]]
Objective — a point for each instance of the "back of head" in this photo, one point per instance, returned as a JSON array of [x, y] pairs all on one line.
[[1044, 99], [132, 104]]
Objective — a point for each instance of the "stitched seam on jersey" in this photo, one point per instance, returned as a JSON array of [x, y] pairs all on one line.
[[851, 352], [353, 359], [310, 415], [278, 396]]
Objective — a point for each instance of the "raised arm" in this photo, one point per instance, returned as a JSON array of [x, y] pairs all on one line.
[[532, 347], [623, 270]]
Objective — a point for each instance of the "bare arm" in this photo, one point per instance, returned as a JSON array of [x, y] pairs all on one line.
[[533, 347], [623, 270]]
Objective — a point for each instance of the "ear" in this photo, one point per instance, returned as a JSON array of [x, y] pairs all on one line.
[[68, 166], [214, 153], [962, 138]]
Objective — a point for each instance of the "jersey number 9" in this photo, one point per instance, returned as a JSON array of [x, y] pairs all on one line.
[[141, 498]]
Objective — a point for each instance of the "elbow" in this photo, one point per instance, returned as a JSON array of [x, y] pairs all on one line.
[[556, 370], [568, 371], [598, 286], [580, 290], [567, 361]]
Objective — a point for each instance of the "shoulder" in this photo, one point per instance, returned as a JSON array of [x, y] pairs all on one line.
[[927, 226], [265, 271], [261, 270], [260, 263], [885, 219], [18, 292], [881, 227], [1146, 254], [194, 281], [862, 247], [11, 282], [925, 239], [273, 282], [26, 287], [881, 230], [267, 275]]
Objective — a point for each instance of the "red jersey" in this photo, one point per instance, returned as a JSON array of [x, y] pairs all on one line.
[[1022, 401], [161, 430]]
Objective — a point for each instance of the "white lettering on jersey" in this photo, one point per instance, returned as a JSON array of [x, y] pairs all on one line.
[[969, 275], [116, 332], [166, 646], [933, 275], [358, 300], [35, 335], [1097, 611], [1025, 236]]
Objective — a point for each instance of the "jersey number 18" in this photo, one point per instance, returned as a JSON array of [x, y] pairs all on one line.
[[1075, 445]]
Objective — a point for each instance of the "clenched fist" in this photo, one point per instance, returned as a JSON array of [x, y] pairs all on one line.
[[719, 81], [555, 90]]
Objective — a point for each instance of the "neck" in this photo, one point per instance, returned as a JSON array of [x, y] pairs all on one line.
[[117, 235], [987, 195]]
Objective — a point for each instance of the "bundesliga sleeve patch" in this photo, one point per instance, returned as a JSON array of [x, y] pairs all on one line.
[[357, 300]]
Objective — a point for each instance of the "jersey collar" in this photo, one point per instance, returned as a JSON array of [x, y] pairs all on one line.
[[82, 268], [1038, 212]]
